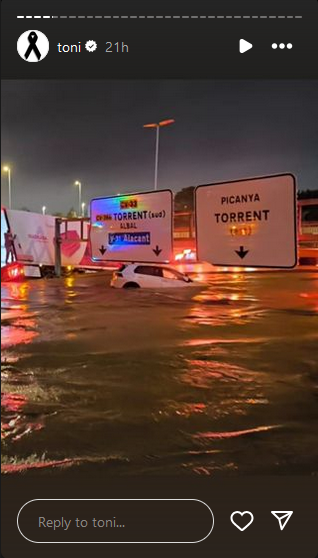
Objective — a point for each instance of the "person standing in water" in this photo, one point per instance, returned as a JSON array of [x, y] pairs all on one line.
[[9, 246]]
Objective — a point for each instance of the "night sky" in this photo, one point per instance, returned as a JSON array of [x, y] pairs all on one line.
[[56, 132]]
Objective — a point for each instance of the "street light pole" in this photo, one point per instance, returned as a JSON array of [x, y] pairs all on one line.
[[79, 184], [8, 170], [157, 158], [10, 190], [83, 209], [157, 126]]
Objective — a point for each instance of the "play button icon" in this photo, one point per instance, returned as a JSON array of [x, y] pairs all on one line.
[[244, 46]]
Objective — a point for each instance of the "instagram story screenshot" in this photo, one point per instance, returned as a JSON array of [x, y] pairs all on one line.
[[159, 279]]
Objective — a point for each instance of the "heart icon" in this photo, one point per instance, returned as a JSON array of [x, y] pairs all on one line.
[[241, 514]]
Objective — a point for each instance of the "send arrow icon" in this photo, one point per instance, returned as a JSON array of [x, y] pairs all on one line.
[[283, 517], [244, 46]]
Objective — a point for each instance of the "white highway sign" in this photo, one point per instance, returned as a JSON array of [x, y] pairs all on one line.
[[132, 227], [248, 223]]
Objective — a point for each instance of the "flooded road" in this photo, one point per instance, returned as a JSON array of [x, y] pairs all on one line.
[[218, 380]]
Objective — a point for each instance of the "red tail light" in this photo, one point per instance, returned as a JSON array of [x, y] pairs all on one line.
[[12, 272]]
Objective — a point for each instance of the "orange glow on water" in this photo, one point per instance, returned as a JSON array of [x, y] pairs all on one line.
[[236, 433], [19, 326]]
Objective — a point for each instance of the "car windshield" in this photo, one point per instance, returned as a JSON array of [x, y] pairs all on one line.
[[172, 274]]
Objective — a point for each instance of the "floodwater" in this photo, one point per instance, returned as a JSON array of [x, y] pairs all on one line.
[[221, 380]]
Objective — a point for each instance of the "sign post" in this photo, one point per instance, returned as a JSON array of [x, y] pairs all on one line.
[[57, 245], [248, 223], [132, 227]]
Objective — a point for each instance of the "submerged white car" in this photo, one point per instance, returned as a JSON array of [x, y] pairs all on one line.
[[148, 276]]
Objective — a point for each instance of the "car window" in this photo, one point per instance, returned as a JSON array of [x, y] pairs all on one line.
[[149, 270], [172, 274]]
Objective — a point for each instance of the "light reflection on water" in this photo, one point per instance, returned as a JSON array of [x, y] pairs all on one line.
[[221, 381], [18, 324]]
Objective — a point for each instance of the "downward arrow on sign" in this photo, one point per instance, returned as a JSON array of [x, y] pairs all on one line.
[[157, 250], [102, 250], [241, 252]]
